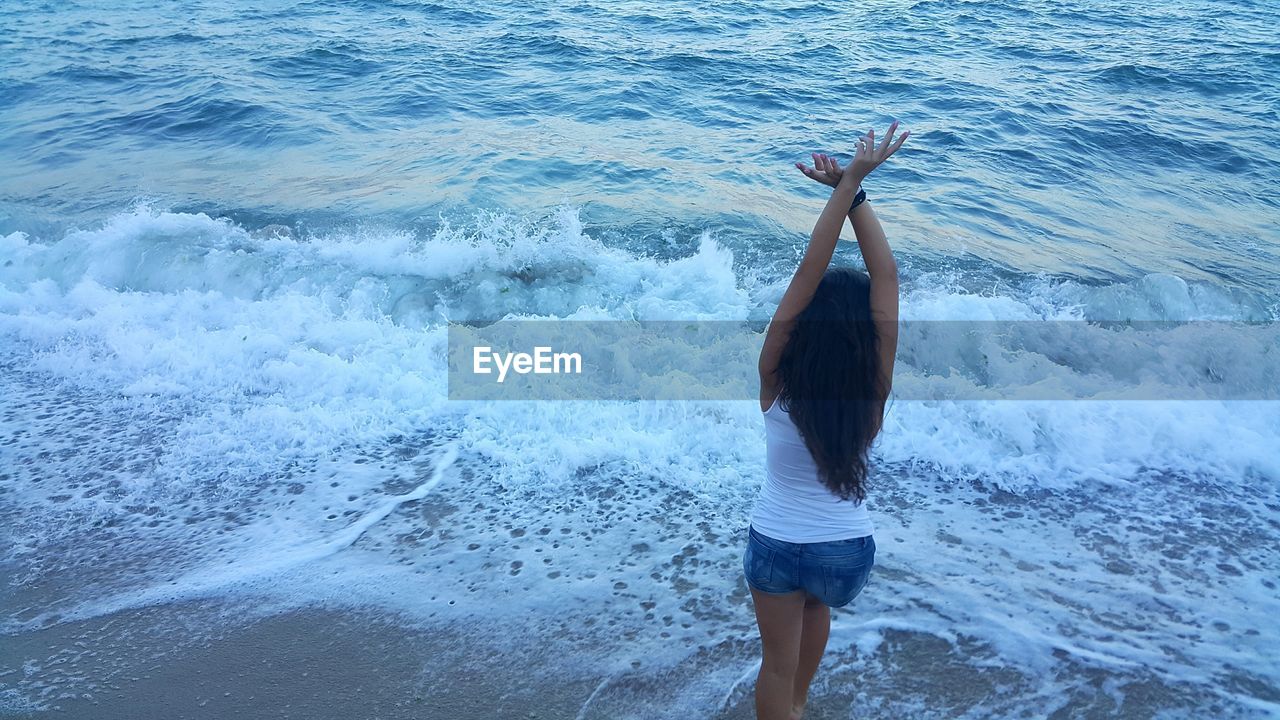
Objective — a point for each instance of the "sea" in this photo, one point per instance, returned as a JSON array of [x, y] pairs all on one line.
[[234, 236]]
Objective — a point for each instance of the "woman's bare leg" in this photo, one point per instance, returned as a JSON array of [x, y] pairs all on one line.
[[813, 642], [781, 619]]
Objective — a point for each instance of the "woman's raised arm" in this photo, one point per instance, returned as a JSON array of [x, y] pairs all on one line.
[[883, 271], [881, 266]]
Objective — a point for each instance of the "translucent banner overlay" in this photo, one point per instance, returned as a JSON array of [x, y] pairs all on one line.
[[936, 360]]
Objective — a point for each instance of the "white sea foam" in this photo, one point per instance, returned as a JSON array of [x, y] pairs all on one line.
[[255, 413]]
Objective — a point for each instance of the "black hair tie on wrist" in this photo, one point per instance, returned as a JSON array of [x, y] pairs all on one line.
[[858, 199]]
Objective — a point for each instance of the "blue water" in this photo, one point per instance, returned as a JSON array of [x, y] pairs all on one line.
[[232, 235], [1093, 140]]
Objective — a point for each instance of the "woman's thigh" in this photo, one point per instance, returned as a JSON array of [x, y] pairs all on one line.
[[781, 619]]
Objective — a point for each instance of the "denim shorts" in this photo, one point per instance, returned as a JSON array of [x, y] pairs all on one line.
[[834, 572]]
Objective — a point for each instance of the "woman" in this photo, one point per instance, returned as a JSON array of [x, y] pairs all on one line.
[[825, 371]]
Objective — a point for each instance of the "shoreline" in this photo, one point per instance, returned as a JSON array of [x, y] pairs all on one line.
[[190, 662]]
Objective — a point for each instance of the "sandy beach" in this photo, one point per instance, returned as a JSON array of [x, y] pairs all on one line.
[[211, 661]]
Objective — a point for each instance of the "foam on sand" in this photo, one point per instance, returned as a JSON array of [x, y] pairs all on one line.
[[192, 410]]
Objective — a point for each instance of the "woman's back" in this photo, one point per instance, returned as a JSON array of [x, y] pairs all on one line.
[[794, 505]]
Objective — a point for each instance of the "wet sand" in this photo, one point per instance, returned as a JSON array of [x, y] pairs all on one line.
[[309, 664], [322, 664]]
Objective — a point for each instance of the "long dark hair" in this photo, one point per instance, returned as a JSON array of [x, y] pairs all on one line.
[[831, 382]]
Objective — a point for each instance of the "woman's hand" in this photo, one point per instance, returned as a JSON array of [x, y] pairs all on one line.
[[869, 156], [827, 170]]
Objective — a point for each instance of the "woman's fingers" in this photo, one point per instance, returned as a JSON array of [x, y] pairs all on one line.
[[886, 143], [824, 163], [868, 153], [901, 139], [813, 173], [826, 168]]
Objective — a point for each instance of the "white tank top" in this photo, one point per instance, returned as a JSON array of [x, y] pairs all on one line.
[[794, 505]]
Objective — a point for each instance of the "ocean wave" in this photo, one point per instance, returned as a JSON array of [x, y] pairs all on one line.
[[221, 412], [194, 284]]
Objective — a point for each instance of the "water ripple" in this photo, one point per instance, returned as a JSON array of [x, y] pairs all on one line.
[[1015, 101]]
